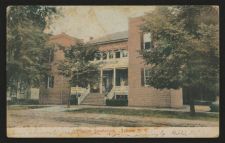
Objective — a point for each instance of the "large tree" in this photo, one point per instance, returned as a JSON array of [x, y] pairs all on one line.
[[78, 67], [27, 44], [185, 48]]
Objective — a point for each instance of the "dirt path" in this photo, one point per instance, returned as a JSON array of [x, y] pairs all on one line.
[[42, 118]]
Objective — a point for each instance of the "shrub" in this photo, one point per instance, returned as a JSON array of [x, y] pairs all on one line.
[[73, 99], [23, 102], [214, 107], [116, 102]]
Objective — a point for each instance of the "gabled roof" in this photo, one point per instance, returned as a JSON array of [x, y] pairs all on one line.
[[114, 37], [64, 40], [64, 35]]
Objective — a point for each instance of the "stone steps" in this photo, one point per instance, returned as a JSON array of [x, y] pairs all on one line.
[[94, 99]]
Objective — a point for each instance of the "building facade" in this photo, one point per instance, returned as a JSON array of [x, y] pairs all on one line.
[[56, 88], [122, 72]]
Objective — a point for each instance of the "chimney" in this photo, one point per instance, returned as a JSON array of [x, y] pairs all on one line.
[[91, 38]]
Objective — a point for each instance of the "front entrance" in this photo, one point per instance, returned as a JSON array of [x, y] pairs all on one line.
[[107, 81], [94, 88]]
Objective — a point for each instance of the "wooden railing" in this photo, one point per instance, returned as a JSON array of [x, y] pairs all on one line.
[[83, 95], [82, 91], [117, 90]]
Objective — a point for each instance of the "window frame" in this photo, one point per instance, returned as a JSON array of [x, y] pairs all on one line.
[[50, 82], [104, 53], [119, 54], [150, 41], [145, 76], [123, 53], [98, 55]]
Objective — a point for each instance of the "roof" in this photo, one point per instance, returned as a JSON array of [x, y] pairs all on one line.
[[114, 37], [63, 35], [64, 40]]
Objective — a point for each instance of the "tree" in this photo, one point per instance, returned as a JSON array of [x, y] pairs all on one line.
[[27, 44], [185, 51], [77, 65]]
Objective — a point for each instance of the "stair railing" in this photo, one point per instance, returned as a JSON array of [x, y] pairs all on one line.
[[83, 95], [110, 95]]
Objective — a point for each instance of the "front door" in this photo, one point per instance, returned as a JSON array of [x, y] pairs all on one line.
[[107, 81]]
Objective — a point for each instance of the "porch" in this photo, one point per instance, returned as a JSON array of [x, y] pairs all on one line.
[[114, 83]]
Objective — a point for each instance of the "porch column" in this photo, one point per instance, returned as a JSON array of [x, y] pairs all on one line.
[[114, 77], [100, 85]]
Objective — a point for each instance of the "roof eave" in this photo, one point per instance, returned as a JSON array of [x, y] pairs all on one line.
[[108, 42]]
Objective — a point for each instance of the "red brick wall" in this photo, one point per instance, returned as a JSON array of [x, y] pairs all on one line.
[[61, 90], [140, 95]]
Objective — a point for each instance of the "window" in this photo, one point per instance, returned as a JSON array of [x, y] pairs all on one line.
[[110, 55], [124, 53], [22, 88], [147, 41], [104, 56], [146, 76], [98, 56], [51, 55], [117, 54], [50, 81]]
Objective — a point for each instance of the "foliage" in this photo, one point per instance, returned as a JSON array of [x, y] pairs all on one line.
[[23, 102], [77, 65], [185, 49], [116, 102], [73, 100], [214, 107], [27, 44]]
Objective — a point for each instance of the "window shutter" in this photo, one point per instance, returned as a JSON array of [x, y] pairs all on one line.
[[141, 38], [142, 77], [52, 81]]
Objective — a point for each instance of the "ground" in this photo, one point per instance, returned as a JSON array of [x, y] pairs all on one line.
[[58, 116]]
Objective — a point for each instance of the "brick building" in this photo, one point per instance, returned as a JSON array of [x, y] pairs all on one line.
[[122, 72], [56, 89]]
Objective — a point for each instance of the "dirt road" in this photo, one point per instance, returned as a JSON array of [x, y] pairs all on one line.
[[48, 118]]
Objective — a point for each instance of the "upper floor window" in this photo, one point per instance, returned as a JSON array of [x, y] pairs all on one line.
[[98, 56], [110, 55], [117, 53], [124, 53], [147, 41], [51, 55], [104, 56]]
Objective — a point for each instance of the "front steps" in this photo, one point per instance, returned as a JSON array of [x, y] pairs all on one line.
[[94, 99]]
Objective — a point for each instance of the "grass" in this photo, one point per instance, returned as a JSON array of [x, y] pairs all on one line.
[[22, 107], [150, 113]]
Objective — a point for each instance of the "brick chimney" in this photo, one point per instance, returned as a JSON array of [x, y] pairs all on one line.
[[91, 38]]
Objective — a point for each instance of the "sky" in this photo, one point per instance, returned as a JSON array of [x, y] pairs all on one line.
[[94, 21]]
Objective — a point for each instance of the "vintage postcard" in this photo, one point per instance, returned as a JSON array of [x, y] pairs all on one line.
[[113, 71]]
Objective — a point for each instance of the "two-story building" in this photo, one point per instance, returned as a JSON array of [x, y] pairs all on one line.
[[122, 72]]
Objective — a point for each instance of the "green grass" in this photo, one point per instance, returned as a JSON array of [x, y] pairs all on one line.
[[150, 113]]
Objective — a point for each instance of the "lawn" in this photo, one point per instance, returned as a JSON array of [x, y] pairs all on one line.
[[22, 107], [149, 113]]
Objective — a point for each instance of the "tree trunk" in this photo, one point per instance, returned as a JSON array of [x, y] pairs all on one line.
[[17, 86], [68, 103], [192, 107], [191, 93]]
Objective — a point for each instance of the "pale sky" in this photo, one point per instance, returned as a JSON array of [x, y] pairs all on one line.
[[95, 21]]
